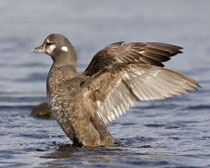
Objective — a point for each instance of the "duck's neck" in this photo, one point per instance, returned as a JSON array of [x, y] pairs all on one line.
[[65, 60], [63, 71], [59, 75]]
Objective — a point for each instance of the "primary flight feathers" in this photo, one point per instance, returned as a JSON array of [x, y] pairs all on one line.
[[117, 88]]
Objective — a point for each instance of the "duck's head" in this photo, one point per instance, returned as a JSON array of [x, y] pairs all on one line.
[[59, 48]]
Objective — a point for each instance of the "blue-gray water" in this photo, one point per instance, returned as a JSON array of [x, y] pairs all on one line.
[[169, 133]]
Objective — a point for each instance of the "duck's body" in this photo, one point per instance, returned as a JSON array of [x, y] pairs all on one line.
[[73, 110], [117, 77]]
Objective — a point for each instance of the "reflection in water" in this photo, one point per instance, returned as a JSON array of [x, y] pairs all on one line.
[[77, 155], [68, 155], [115, 156]]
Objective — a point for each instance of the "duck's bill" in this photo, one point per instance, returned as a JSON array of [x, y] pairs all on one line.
[[38, 49]]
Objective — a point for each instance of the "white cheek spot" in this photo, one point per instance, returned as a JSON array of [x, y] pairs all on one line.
[[48, 41], [64, 48], [50, 48]]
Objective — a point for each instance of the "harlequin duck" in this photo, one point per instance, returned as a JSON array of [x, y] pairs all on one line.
[[118, 76]]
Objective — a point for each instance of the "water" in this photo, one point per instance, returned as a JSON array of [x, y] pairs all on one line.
[[169, 133]]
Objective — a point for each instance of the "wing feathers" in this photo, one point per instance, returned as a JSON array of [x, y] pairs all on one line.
[[156, 56], [173, 49], [144, 53], [120, 86]]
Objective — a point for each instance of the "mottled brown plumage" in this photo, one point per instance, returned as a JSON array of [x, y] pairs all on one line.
[[117, 77]]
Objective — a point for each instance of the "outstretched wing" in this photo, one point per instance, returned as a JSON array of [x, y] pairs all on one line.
[[117, 88], [144, 53]]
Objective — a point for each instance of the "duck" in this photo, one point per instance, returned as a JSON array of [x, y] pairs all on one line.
[[118, 76]]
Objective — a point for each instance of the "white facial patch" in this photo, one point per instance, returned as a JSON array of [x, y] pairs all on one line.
[[50, 48], [64, 48]]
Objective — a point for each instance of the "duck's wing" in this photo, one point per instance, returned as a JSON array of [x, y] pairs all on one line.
[[145, 53], [117, 88]]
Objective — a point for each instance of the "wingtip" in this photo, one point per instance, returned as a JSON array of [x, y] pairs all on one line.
[[179, 52], [198, 86], [194, 83]]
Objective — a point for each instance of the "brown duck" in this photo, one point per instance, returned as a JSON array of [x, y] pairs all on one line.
[[118, 76]]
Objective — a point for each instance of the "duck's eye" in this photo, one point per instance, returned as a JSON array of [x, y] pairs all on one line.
[[50, 43]]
